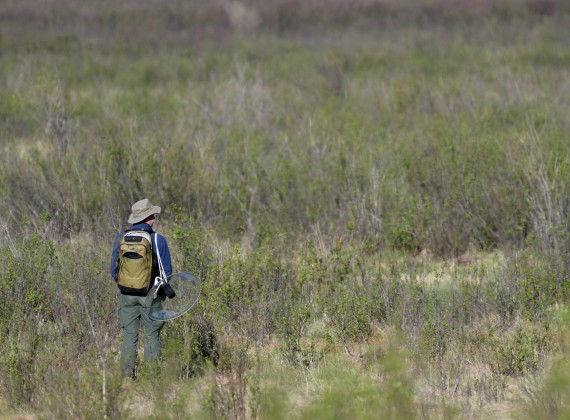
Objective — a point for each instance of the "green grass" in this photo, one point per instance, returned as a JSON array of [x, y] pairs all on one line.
[[375, 199]]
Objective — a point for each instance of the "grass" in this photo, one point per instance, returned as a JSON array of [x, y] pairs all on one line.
[[472, 344], [374, 197]]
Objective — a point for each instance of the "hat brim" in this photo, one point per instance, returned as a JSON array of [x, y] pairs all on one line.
[[141, 216]]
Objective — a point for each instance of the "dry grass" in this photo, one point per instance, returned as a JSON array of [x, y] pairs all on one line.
[[374, 194]]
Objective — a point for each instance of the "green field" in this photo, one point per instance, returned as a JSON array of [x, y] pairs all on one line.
[[375, 195]]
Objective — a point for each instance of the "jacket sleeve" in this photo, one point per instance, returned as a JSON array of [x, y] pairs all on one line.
[[114, 266], [164, 254]]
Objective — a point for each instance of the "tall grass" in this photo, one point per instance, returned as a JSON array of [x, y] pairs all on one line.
[[374, 195], [424, 139]]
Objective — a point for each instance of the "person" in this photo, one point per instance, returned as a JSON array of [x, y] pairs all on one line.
[[134, 305]]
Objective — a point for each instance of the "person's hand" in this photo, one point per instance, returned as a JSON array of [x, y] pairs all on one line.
[[168, 290]]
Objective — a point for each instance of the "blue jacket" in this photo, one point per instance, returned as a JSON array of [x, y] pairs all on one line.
[[162, 249]]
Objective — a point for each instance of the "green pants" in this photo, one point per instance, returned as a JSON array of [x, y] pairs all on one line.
[[132, 310]]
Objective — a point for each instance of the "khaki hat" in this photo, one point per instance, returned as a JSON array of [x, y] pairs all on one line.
[[141, 210]]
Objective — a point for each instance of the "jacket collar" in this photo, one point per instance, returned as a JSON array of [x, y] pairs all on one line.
[[141, 226]]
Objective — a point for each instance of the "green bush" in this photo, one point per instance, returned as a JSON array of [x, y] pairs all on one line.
[[334, 176]]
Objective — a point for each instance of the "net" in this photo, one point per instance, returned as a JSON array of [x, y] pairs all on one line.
[[186, 288]]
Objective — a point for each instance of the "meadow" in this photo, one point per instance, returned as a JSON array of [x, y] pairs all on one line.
[[375, 195]]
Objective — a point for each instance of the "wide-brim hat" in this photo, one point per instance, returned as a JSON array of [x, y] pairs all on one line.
[[141, 210]]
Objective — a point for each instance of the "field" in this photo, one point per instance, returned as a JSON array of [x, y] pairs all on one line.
[[374, 193]]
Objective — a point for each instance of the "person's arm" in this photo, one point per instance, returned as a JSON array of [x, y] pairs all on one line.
[[114, 266], [164, 254]]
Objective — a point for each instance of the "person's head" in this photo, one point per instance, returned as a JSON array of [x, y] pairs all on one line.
[[143, 212]]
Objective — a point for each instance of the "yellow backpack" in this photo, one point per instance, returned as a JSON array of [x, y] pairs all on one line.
[[135, 263]]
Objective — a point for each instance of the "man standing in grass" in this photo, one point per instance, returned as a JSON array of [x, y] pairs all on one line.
[[134, 268]]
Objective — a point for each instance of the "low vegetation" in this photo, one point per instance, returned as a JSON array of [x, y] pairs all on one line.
[[373, 193]]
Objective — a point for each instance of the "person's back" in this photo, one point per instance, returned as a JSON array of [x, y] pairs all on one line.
[[134, 268]]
